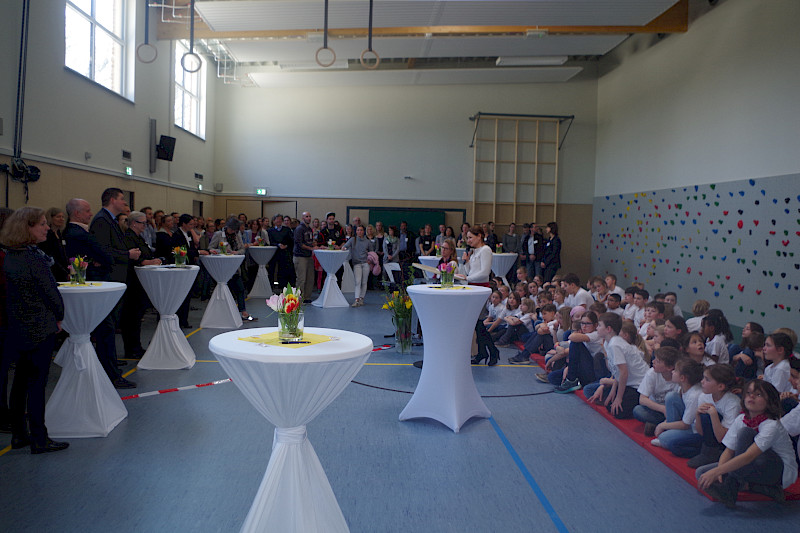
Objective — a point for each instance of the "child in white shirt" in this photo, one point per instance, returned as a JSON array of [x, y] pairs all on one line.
[[677, 433], [717, 408], [654, 387], [778, 349]]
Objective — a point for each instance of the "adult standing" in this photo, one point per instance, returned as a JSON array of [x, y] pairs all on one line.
[[54, 244], [164, 238], [280, 266], [551, 256], [185, 236], [105, 229], [149, 233], [511, 243], [535, 250], [5, 425], [476, 270], [230, 234], [332, 234], [35, 311], [78, 241], [490, 239], [360, 247], [136, 300], [303, 256], [427, 241]]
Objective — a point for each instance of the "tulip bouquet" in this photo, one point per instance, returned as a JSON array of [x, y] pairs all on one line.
[[438, 250], [181, 255], [399, 303], [446, 272], [289, 306], [77, 270]]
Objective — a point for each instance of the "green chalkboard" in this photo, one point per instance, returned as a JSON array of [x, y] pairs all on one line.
[[416, 218]]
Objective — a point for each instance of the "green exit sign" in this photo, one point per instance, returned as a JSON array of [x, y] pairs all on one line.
[[129, 171], [261, 192]]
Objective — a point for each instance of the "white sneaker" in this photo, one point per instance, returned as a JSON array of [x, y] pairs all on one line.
[[656, 443]]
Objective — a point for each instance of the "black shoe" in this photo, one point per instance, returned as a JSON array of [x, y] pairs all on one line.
[[418, 364], [185, 325], [307, 301], [19, 441], [772, 491], [122, 363], [49, 446], [5, 427], [495, 355], [122, 383], [476, 360], [725, 492], [707, 455]]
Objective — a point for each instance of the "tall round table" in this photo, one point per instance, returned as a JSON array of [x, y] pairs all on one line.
[[262, 288], [221, 311], [446, 390], [290, 385], [431, 261], [331, 295], [348, 277], [502, 263], [84, 403], [167, 287]]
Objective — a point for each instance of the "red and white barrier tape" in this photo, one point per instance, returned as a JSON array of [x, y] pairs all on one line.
[[164, 391]]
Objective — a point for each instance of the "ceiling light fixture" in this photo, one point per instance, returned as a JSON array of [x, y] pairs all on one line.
[[534, 61]]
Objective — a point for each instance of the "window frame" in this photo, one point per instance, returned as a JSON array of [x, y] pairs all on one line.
[[196, 94], [123, 40]]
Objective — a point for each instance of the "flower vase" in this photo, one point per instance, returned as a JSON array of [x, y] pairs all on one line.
[[402, 335], [78, 277], [447, 280], [290, 326], [180, 260]]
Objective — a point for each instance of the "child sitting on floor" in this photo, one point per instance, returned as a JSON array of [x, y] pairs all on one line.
[[627, 369], [542, 339], [518, 324], [778, 349], [613, 303], [629, 333], [758, 455], [743, 355], [585, 358], [717, 332], [499, 326], [717, 408], [677, 433], [696, 349], [653, 389]]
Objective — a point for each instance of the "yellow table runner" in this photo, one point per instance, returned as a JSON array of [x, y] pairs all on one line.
[[453, 288], [272, 338], [87, 284]]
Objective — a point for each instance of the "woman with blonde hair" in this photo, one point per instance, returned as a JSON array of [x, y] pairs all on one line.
[[35, 311], [54, 244]]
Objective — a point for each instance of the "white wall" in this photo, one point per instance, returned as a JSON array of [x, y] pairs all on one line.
[[67, 115], [719, 103], [361, 141]]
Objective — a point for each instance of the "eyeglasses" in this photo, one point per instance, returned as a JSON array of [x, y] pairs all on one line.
[[136, 222]]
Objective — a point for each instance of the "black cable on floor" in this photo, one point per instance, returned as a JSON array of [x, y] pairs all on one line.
[[412, 392]]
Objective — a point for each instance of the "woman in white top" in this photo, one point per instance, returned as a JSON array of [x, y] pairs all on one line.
[[478, 261], [476, 270]]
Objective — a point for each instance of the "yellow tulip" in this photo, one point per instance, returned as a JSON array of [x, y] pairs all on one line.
[[408, 304]]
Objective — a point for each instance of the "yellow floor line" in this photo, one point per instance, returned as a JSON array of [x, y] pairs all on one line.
[[129, 372], [5, 450], [192, 333]]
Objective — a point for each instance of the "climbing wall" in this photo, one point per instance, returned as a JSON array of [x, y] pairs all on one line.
[[735, 244]]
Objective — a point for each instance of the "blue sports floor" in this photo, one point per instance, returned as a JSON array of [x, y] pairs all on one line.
[[192, 460]]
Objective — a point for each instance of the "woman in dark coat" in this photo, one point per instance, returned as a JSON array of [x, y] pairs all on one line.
[[35, 311], [551, 258], [54, 244]]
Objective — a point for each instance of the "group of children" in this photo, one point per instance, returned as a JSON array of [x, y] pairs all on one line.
[[730, 408]]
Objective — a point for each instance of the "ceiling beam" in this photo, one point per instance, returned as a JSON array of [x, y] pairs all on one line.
[[673, 20]]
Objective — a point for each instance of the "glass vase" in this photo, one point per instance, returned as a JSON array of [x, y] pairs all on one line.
[[290, 326], [78, 277], [402, 334], [180, 260], [447, 280]]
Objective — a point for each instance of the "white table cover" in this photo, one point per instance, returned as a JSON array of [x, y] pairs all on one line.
[[501, 263], [84, 403], [221, 311], [431, 261], [262, 288], [167, 287], [446, 390], [290, 387], [348, 278], [331, 295]]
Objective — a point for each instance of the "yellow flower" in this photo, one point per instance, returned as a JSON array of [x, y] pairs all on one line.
[[385, 306], [394, 294], [391, 304], [408, 304]]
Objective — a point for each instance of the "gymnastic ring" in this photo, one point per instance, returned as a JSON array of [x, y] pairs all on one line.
[[320, 63], [183, 62], [377, 59], [150, 47]]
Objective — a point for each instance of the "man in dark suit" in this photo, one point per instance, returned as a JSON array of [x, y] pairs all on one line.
[[184, 236], [109, 235], [79, 242]]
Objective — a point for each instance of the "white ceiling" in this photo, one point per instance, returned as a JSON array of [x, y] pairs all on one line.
[[435, 58]]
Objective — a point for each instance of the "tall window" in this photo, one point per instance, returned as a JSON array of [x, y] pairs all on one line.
[[190, 99], [94, 34]]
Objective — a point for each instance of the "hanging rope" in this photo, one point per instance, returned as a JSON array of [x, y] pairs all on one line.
[[369, 46], [145, 50], [325, 43], [190, 53]]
